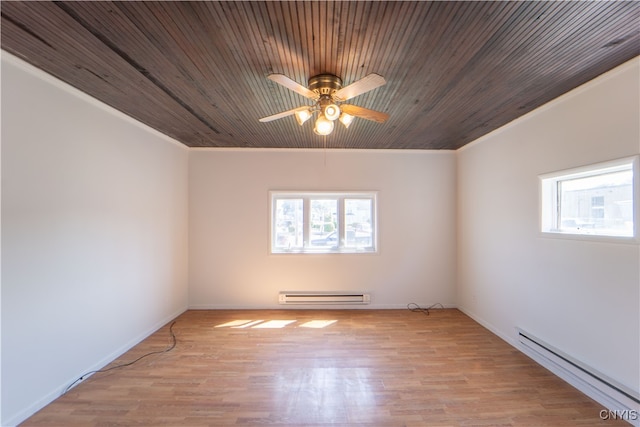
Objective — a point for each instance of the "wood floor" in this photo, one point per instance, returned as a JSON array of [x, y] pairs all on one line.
[[324, 368]]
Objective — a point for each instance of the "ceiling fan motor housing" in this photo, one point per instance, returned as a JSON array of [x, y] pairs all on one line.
[[325, 84]]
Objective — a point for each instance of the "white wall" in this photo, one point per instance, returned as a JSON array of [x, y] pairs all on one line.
[[229, 260], [99, 214], [580, 296], [94, 235], [0, 252]]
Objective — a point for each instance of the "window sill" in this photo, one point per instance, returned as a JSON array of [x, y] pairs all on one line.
[[590, 237], [323, 252]]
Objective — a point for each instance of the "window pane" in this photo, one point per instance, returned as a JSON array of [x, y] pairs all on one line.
[[324, 223], [288, 224], [316, 222], [358, 220], [597, 204]]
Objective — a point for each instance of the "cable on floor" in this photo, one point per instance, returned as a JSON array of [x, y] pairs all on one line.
[[171, 347], [412, 306]]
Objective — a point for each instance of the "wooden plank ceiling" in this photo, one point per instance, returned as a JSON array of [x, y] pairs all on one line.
[[196, 71]]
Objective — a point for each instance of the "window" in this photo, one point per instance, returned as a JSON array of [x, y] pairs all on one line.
[[323, 222], [597, 200]]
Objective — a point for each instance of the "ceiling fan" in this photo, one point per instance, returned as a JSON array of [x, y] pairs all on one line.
[[328, 95]]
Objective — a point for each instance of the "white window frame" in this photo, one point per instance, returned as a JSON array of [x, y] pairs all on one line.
[[550, 206], [306, 197]]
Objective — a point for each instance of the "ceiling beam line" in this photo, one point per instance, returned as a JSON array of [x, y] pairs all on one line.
[[139, 68]]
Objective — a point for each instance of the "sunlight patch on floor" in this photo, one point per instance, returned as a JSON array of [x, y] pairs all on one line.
[[250, 324], [274, 324], [317, 324], [233, 323]]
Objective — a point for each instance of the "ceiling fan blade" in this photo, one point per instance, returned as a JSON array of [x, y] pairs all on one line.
[[359, 87], [285, 81], [364, 113], [283, 114]]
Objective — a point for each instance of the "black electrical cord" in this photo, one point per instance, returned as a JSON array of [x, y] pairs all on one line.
[[171, 347], [412, 306]]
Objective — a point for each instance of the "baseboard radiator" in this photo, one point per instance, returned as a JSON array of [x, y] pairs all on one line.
[[310, 298], [621, 402]]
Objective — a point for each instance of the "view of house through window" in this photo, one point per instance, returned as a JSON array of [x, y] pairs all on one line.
[[598, 200], [321, 222]]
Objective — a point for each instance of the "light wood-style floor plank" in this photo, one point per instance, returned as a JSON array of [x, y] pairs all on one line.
[[371, 368]]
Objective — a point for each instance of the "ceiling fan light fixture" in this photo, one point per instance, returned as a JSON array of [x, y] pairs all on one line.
[[302, 116], [323, 126], [346, 119], [328, 94], [332, 112]]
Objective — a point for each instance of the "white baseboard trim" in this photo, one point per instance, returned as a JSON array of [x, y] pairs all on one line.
[[276, 306], [25, 413], [488, 326], [631, 414]]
